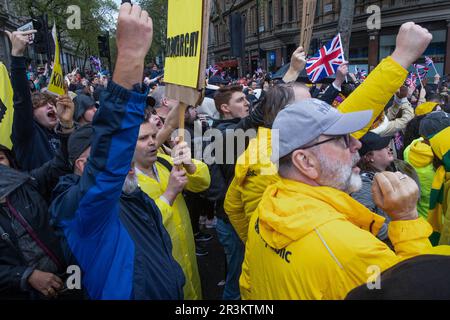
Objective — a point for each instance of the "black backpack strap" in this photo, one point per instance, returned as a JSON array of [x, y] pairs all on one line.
[[165, 163]]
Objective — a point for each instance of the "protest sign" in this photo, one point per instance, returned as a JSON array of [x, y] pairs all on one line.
[[56, 85], [308, 14], [186, 53], [6, 107]]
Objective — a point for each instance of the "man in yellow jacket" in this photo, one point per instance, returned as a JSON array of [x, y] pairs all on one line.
[[159, 176], [254, 171], [308, 239]]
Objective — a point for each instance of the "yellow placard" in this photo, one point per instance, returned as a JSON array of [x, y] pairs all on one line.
[[6, 107], [56, 84], [184, 39]]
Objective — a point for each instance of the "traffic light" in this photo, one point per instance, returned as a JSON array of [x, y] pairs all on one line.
[[103, 45]]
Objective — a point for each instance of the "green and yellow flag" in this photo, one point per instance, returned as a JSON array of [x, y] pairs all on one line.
[[6, 107], [56, 85]]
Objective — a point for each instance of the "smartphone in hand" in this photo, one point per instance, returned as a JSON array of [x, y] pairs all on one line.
[[26, 27]]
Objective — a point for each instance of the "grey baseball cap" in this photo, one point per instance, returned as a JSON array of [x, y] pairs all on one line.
[[302, 122]]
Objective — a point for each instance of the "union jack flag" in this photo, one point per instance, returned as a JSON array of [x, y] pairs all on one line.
[[411, 80], [428, 61], [420, 67], [361, 74], [326, 62]]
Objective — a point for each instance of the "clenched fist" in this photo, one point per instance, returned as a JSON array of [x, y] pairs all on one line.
[[412, 41], [177, 181], [65, 109], [134, 37], [298, 63], [396, 194], [134, 31], [181, 155]]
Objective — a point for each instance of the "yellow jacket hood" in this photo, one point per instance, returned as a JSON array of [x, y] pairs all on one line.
[[284, 201], [420, 154]]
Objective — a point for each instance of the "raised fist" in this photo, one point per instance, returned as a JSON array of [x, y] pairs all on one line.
[[396, 194], [412, 41]]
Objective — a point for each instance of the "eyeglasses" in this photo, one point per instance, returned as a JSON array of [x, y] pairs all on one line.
[[345, 137]]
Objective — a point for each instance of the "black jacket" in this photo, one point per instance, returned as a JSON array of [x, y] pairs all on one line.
[[27, 193], [328, 96], [33, 144], [222, 172]]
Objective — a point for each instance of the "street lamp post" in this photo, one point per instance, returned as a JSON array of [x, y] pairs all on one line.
[[257, 32]]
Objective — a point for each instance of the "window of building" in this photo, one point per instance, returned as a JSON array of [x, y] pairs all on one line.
[[254, 20], [216, 34], [318, 8], [290, 10], [436, 50], [281, 11], [270, 15]]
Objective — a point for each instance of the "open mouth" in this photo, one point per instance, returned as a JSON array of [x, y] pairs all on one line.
[[52, 115]]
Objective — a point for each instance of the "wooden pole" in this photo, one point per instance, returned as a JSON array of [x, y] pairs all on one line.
[[182, 110], [307, 23]]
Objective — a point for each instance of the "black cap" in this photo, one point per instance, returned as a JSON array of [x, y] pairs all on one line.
[[424, 277], [372, 142], [79, 141], [82, 104], [434, 123]]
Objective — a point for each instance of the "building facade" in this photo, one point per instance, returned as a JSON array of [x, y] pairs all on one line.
[[10, 20], [275, 29]]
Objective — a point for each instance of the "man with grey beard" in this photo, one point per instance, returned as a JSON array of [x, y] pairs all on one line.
[[315, 240]]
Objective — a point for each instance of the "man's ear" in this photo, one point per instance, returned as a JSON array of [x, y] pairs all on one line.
[[306, 163], [79, 165], [224, 108], [132, 171]]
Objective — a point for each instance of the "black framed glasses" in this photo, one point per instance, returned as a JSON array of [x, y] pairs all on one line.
[[345, 137]]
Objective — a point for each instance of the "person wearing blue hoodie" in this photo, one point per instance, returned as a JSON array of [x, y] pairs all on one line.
[[107, 225]]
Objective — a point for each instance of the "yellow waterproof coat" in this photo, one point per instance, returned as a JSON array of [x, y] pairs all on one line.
[[308, 242], [176, 219], [252, 177]]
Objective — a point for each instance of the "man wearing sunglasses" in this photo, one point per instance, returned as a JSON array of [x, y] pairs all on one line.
[[317, 242]]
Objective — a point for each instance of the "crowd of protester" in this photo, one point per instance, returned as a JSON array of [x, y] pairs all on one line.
[[338, 178]]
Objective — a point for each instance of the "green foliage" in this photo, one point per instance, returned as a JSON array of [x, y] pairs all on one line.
[[96, 17]]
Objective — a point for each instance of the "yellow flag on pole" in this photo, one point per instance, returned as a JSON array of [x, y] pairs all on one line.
[[6, 107], [56, 84]]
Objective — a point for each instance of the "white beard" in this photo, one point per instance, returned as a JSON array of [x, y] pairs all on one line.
[[339, 176], [130, 184]]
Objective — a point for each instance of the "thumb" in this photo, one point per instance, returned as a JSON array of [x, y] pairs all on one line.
[[9, 34]]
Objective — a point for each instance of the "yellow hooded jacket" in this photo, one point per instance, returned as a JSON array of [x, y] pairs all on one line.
[[308, 242], [420, 156], [253, 177], [176, 219]]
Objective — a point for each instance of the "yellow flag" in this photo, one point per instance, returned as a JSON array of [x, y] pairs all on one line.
[[56, 84], [6, 107]]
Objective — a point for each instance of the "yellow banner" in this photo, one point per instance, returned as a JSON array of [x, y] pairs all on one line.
[[6, 107], [183, 46], [56, 84]]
